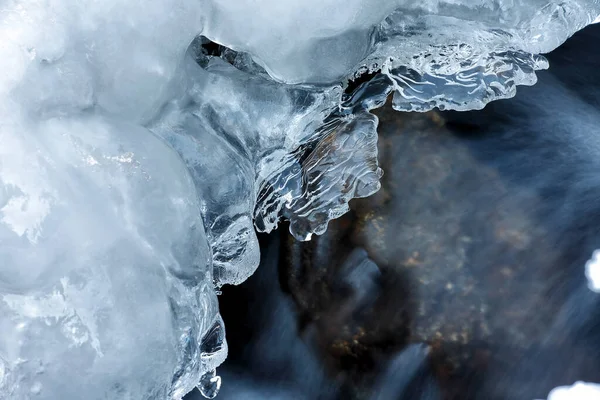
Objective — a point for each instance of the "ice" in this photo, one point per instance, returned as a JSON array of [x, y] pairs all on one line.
[[340, 37], [137, 158], [457, 54], [299, 41], [578, 391], [290, 153], [592, 272], [105, 274]]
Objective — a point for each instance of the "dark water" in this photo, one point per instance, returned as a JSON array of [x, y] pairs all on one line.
[[463, 278]]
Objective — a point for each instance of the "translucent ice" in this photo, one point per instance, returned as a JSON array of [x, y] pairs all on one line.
[[105, 268], [105, 265], [457, 54], [137, 157]]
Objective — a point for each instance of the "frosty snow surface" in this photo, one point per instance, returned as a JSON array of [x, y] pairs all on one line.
[[135, 166]]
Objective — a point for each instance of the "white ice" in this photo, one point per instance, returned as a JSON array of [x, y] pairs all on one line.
[[592, 272], [578, 391]]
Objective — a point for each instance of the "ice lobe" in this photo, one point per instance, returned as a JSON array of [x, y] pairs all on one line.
[[138, 157], [105, 268], [457, 54], [592, 272], [268, 151], [578, 391], [299, 41]]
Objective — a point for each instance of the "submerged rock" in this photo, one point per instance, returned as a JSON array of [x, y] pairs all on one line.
[[456, 251]]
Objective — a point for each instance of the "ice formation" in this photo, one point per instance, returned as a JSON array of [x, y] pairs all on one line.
[[141, 143], [592, 272], [578, 391]]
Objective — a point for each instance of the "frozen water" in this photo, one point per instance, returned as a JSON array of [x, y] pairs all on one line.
[[578, 391], [210, 384], [105, 280], [592, 272], [339, 37], [456, 54], [105, 265], [136, 162]]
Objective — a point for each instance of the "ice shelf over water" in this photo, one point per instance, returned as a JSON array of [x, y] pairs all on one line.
[[142, 142]]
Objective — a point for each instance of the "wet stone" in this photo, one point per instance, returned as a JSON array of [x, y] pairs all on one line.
[[454, 255]]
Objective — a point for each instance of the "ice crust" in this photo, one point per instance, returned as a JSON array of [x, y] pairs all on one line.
[[135, 164], [577, 391], [592, 272]]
